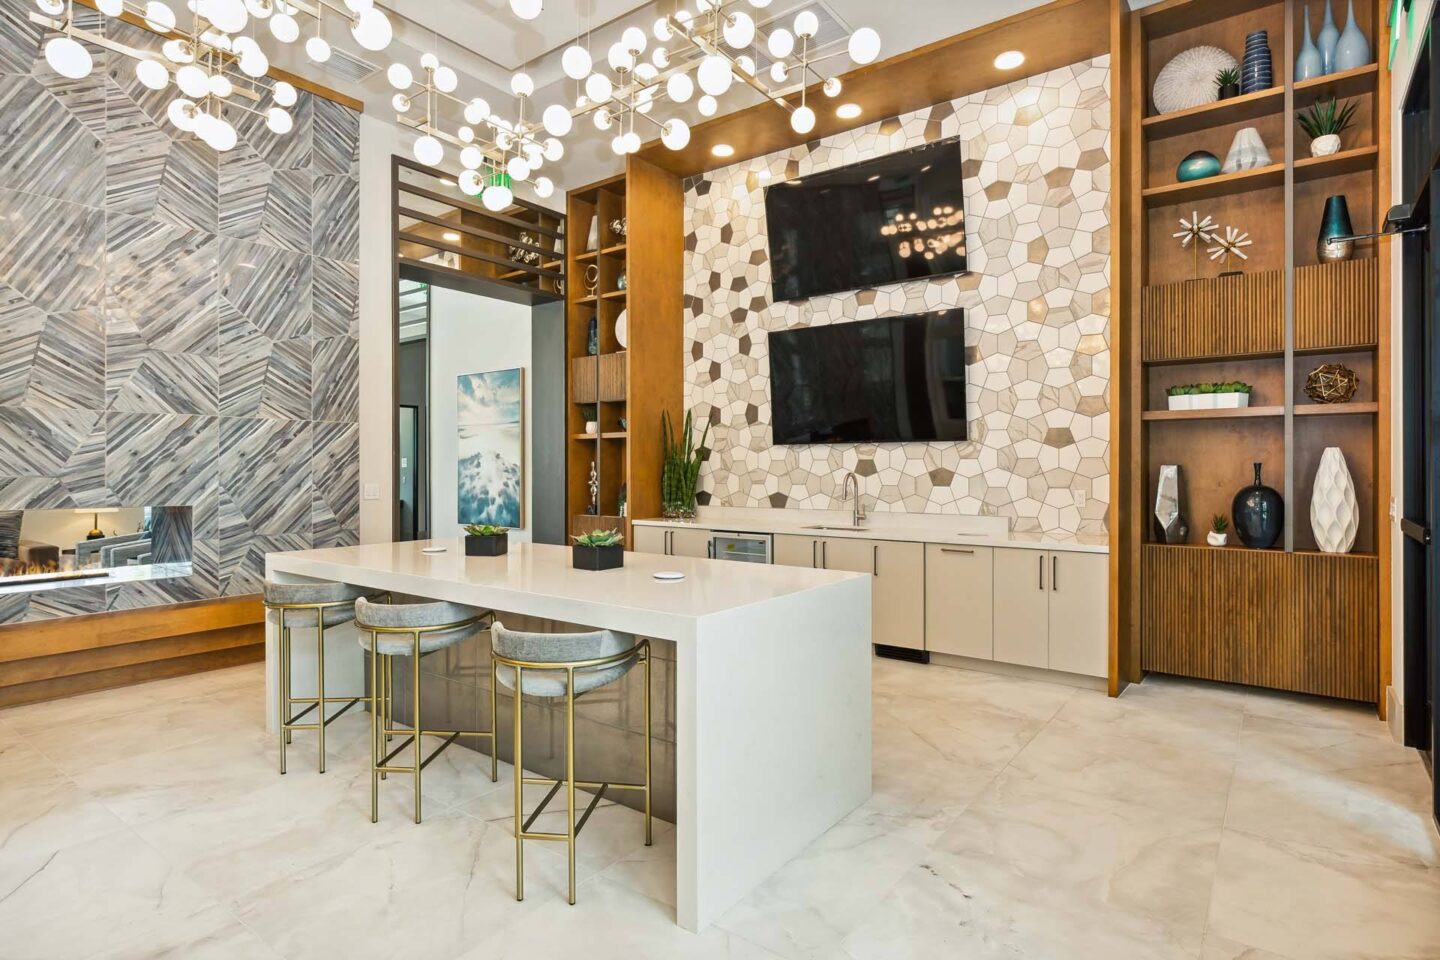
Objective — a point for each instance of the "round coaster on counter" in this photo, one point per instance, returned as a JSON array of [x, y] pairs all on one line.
[[433, 549], [669, 576]]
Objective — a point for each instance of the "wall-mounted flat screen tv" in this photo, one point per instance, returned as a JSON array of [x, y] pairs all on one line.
[[870, 381], [894, 218]]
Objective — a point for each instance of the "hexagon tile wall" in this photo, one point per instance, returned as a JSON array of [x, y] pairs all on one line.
[[1037, 165]]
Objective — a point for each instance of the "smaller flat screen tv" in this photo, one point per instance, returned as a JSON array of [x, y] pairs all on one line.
[[896, 379], [897, 217]]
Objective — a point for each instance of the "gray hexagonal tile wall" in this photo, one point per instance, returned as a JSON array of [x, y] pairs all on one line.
[[1037, 162]]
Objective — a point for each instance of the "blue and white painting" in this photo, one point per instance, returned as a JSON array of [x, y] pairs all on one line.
[[491, 450]]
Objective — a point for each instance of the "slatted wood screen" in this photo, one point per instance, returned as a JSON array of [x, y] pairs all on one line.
[[1222, 317], [1336, 305], [1298, 621]]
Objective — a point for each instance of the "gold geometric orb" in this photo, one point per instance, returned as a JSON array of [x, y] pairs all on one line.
[[1331, 383]]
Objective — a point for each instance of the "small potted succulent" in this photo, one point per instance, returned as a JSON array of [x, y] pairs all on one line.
[[1179, 397], [1217, 537], [1208, 396], [486, 540], [1324, 122], [598, 550], [1227, 83], [1231, 395]]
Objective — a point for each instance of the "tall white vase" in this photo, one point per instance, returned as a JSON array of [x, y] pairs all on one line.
[[1334, 515]]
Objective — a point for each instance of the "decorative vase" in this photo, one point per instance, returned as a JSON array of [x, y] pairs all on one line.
[[1334, 514], [1197, 166], [1326, 145], [1259, 513], [1308, 64], [1247, 151], [1328, 37], [1217, 539], [1257, 70], [592, 340], [1352, 49], [1170, 524], [1228, 90], [1335, 222]]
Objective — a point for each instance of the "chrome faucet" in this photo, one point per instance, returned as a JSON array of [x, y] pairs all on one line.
[[857, 516]]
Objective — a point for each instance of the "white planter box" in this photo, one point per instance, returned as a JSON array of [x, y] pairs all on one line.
[[1229, 401], [1203, 401], [1179, 402]]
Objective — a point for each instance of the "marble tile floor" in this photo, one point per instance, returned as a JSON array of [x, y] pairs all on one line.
[[1010, 819]]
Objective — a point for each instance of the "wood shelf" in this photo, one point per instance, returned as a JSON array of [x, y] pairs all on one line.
[[619, 248], [1218, 186], [1343, 83], [612, 435], [1362, 408], [587, 255], [1229, 413], [1235, 110], [615, 295], [1346, 161]]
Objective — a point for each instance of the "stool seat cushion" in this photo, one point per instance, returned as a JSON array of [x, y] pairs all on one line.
[[560, 648], [419, 616], [288, 593]]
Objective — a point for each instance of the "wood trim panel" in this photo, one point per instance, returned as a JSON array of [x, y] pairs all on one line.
[[129, 654], [1220, 317], [70, 686], [1337, 305], [1124, 658], [1303, 622], [39, 638]]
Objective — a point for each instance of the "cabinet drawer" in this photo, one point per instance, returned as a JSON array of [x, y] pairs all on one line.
[[959, 600]]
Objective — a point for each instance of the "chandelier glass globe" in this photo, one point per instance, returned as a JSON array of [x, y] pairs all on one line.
[[470, 182], [159, 17], [518, 168], [662, 30], [557, 120], [553, 150], [781, 43], [806, 24], [632, 142], [526, 9], [675, 134], [259, 9], [714, 75], [446, 80], [802, 120], [477, 111], [284, 28], [372, 30], [739, 30], [401, 103], [575, 61], [178, 51], [192, 81], [680, 88], [182, 115], [429, 151], [832, 86], [634, 40], [317, 49], [621, 60], [521, 85], [68, 57], [864, 45], [602, 119], [544, 187], [471, 158], [111, 8], [228, 16], [221, 86], [497, 197], [152, 74], [284, 94], [278, 119], [399, 76], [707, 105], [598, 88]]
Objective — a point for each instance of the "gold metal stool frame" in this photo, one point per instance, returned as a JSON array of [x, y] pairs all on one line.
[[287, 702], [573, 828], [382, 716]]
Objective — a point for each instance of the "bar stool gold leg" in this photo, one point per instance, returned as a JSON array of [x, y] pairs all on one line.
[[570, 775], [389, 692], [494, 731], [282, 684], [648, 837], [376, 726], [519, 793], [320, 683], [415, 727], [387, 680]]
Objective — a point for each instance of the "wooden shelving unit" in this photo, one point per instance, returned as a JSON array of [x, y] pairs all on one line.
[[1265, 618], [629, 385]]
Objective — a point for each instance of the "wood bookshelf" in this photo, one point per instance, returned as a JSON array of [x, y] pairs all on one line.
[[1250, 616], [636, 381]]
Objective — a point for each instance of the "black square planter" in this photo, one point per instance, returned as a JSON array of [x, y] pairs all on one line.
[[487, 546], [598, 558]]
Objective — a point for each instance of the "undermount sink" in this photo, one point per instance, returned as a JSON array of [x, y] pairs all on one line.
[[821, 526]]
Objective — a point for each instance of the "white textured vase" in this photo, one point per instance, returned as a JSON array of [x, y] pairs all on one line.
[[1326, 145], [1334, 515], [1247, 152]]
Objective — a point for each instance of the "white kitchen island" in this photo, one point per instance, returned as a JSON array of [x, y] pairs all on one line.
[[772, 685]]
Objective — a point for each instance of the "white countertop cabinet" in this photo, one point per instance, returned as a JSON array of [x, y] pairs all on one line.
[[959, 600], [677, 541]]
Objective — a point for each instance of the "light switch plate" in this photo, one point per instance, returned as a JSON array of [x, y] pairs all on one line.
[[1079, 494], [372, 491]]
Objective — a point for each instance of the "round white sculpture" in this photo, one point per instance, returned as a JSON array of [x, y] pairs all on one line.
[[1334, 514], [1189, 79]]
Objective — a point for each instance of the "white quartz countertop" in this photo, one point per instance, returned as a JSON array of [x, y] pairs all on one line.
[[879, 527], [538, 579]]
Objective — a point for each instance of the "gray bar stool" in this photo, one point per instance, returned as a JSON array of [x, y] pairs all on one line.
[[412, 630], [309, 606], [564, 665]]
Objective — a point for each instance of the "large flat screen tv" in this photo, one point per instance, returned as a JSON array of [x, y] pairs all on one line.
[[870, 381], [897, 217]]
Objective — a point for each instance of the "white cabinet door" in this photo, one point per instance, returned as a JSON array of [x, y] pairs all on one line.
[[959, 599], [1022, 610], [689, 542], [898, 600], [792, 550], [842, 553], [651, 539], [1079, 586]]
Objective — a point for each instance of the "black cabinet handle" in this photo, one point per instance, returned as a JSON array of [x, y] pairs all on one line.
[[824, 562], [875, 563], [1054, 571], [1042, 571], [813, 545], [968, 553]]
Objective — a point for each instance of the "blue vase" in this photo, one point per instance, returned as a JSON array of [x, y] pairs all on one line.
[[1308, 65], [1326, 41], [1256, 69], [1335, 222], [1197, 166], [1352, 49], [1259, 514]]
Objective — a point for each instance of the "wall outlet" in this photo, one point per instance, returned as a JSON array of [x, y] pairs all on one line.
[[1079, 494], [372, 491]]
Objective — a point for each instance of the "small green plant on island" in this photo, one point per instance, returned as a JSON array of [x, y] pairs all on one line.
[[600, 538], [485, 530], [1219, 523], [1327, 118]]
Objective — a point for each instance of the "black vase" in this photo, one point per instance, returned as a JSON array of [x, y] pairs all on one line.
[[1259, 514]]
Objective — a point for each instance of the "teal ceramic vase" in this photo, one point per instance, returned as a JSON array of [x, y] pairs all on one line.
[[1197, 166], [1335, 222], [1327, 40], [1307, 64], [1352, 49]]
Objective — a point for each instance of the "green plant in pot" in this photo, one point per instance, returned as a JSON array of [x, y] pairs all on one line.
[[680, 471], [486, 540], [1324, 122], [1227, 83], [1218, 537], [598, 550]]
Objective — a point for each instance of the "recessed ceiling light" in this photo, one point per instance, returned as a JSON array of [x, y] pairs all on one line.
[[848, 111], [1009, 60], [723, 150], [451, 236]]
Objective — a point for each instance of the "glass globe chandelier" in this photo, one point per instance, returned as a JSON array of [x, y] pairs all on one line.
[[212, 53]]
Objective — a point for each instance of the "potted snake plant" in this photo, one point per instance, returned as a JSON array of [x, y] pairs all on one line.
[[598, 550], [680, 470], [486, 540]]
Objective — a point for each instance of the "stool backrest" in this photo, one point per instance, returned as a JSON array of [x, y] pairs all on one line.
[[292, 593], [557, 647], [412, 616]]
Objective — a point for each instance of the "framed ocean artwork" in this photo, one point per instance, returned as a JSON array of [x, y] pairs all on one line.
[[490, 448]]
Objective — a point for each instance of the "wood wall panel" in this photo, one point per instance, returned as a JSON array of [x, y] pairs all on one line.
[[1337, 305], [1219, 317], [1304, 622]]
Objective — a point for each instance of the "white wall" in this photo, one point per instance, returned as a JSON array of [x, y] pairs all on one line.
[[1401, 70], [471, 334]]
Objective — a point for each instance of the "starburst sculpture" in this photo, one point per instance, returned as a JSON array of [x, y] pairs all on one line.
[[1193, 233], [1229, 244]]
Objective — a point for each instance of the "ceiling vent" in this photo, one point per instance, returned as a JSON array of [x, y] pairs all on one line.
[[833, 31], [349, 67]]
